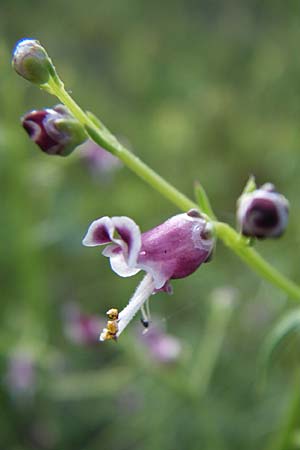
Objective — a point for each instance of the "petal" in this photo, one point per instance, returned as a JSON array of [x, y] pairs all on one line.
[[175, 249], [130, 234], [100, 232], [120, 266]]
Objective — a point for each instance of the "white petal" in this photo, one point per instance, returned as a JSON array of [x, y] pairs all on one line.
[[119, 265]]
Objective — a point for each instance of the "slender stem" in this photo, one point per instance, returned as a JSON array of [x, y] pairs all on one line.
[[208, 350], [237, 243], [283, 440], [110, 143], [227, 234]]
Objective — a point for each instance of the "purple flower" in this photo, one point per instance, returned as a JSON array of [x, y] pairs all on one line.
[[174, 249], [54, 130], [263, 213], [163, 348], [98, 160], [20, 375], [81, 328]]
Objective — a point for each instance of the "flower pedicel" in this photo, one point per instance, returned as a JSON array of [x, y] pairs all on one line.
[[174, 249]]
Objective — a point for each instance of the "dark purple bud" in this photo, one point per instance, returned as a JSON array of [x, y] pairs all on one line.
[[54, 130], [30, 60], [263, 213]]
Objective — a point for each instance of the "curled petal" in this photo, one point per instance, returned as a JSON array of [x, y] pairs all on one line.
[[125, 237], [100, 232], [118, 262], [130, 234]]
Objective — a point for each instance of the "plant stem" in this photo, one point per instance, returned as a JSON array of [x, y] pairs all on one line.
[[228, 235], [208, 350], [238, 245], [283, 440]]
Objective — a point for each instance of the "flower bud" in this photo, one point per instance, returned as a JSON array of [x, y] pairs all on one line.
[[263, 213], [31, 61], [54, 130]]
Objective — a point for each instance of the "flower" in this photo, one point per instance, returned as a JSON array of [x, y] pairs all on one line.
[[81, 328], [21, 373], [263, 213], [54, 130], [163, 348], [98, 160], [174, 249], [30, 60]]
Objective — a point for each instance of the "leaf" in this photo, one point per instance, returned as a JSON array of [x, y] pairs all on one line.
[[288, 324], [250, 185], [203, 201]]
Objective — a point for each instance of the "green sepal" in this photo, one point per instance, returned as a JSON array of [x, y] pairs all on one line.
[[203, 201]]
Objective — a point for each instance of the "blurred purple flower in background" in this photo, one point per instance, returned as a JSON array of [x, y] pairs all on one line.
[[81, 328], [98, 160], [21, 375], [163, 348]]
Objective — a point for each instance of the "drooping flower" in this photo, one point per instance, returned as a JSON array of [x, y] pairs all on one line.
[[54, 130], [31, 61], [263, 213], [174, 249]]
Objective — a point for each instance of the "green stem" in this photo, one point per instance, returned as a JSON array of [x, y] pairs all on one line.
[[208, 350], [238, 244], [227, 234], [109, 142], [283, 440]]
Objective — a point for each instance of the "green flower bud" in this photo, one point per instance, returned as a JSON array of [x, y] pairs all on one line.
[[31, 61]]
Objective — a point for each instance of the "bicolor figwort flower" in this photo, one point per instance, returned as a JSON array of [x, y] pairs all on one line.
[[263, 213], [174, 249], [54, 130], [31, 61]]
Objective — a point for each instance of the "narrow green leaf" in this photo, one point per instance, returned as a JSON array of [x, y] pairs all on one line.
[[250, 185], [203, 201], [288, 324]]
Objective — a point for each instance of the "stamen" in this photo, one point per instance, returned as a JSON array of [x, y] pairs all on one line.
[[118, 322], [141, 295], [146, 316]]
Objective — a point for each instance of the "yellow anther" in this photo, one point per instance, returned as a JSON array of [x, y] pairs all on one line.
[[112, 326], [106, 335], [112, 314]]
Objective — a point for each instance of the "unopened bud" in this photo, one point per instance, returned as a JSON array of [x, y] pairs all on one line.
[[263, 213], [31, 61], [54, 130]]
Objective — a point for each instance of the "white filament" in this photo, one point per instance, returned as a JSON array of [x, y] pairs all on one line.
[[142, 293]]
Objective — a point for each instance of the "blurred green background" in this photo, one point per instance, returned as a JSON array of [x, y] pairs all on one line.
[[201, 90]]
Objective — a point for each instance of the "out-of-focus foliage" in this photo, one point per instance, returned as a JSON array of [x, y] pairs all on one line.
[[201, 90]]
